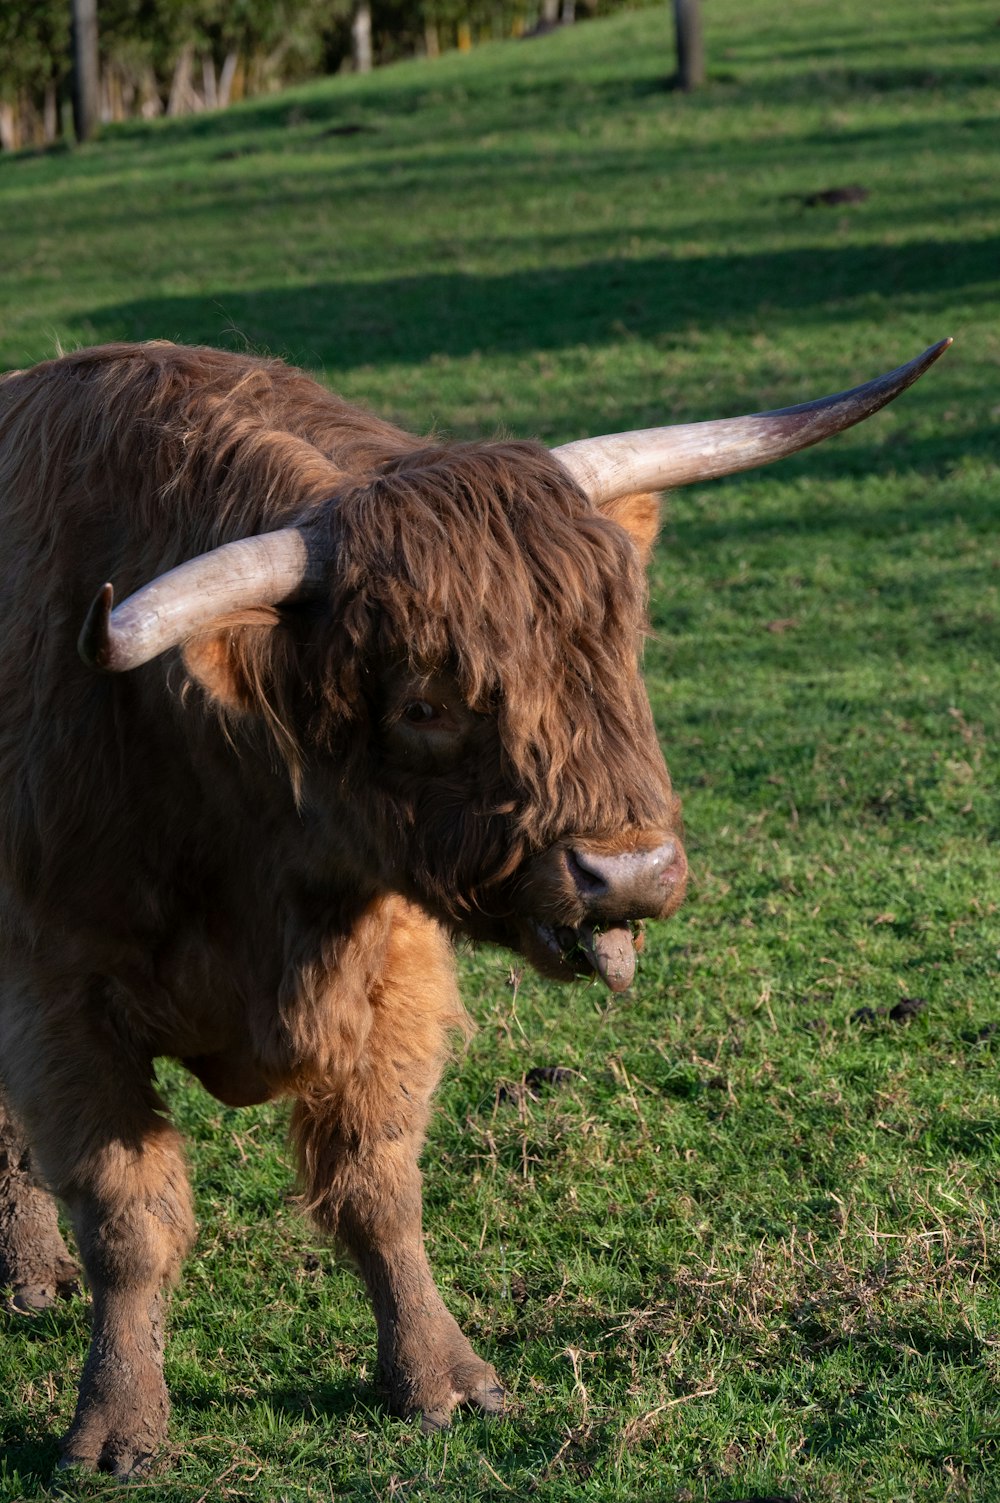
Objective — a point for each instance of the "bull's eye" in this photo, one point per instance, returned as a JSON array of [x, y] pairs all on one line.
[[420, 712]]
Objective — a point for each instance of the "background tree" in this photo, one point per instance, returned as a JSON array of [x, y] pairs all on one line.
[[181, 56], [361, 37], [86, 69], [690, 47], [34, 60]]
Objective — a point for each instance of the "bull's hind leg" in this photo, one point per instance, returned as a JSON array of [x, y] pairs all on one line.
[[34, 1262], [103, 1145], [359, 1142]]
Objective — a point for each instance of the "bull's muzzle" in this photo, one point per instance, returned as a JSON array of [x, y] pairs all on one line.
[[629, 885], [597, 899]]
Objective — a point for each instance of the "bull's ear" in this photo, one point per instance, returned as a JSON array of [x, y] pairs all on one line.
[[640, 517], [211, 662], [229, 660]]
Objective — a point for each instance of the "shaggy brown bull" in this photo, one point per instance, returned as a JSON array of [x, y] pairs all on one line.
[[366, 694]]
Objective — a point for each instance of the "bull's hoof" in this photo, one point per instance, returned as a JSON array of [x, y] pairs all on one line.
[[126, 1457], [441, 1377], [487, 1395], [36, 1275], [30, 1299], [124, 1464], [123, 1437], [41, 1284]]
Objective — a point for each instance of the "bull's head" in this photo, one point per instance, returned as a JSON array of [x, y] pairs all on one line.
[[468, 623]]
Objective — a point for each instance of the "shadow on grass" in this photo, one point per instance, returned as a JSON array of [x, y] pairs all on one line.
[[29, 1464], [970, 1137], [840, 82], [334, 1399], [68, 1320], [346, 324]]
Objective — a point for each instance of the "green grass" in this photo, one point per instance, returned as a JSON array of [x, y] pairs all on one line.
[[751, 1246]]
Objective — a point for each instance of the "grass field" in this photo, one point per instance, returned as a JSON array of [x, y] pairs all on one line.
[[748, 1246]]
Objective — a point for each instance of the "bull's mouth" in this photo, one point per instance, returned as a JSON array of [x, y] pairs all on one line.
[[605, 950]]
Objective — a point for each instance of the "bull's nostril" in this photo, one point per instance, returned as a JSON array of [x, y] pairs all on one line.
[[589, 883]]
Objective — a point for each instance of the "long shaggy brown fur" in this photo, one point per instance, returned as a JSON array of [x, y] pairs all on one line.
[[243, 853]]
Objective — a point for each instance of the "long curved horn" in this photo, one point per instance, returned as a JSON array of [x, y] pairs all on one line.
[[654, 459], [255, 571]]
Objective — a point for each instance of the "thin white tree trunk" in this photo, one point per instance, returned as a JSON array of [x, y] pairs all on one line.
[[150, 103], [209, 87], [8, 126], [226, 75], [181, 92], [361, 37]]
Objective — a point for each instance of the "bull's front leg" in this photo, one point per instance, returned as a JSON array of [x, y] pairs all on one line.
[[102, 1143], [134, 1223], [425, 1364], [359, 1141]]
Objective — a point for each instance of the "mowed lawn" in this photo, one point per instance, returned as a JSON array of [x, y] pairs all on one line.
[[745, 1243]]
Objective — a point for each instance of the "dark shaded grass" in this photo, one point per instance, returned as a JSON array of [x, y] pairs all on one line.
[[456, 315]]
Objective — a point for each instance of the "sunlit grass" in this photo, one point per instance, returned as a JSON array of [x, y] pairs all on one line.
[[748, 1246]]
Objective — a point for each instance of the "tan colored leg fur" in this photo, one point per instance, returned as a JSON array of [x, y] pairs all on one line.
[[359, 1141], [102, 1144], [134, 1223]]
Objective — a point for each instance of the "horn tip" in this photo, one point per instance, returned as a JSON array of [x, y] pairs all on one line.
[[94, 642], [933, 352], [905, 376]]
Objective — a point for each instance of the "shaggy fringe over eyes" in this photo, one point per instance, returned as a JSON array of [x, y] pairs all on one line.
[[486, 558]]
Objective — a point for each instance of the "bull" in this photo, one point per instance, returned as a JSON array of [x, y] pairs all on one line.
[[365, 694]]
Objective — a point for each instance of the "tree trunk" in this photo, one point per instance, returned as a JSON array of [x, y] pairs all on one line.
[[50, 112], [150, 103], [8, 126], [130, 93], [690, 48], [181, 92], [112, 94], [226, 75], [86, 76], [361, 37], [209, 85]]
